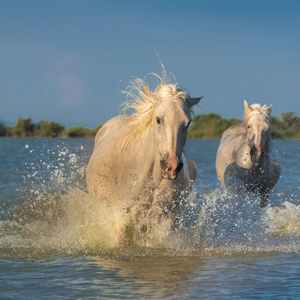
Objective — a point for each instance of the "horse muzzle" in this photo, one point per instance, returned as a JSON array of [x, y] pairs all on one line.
[[170, 170], [256, 155]]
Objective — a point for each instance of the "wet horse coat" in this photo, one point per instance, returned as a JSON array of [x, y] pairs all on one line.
[[246, 160], [138, 159]]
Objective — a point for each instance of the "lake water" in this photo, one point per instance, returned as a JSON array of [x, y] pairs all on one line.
[[54, 239]]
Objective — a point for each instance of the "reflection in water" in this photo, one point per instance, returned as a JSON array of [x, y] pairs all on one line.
[[199, 277], [156, 276]]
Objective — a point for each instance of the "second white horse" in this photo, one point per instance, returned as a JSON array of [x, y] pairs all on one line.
[[245, 159]]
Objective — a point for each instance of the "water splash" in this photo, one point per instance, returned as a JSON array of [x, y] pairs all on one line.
[[283, 220], [55, 216]]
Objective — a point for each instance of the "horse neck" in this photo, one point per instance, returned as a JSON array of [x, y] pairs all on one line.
[[145, 150]]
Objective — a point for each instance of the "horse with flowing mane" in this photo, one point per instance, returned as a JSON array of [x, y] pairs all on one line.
[[138, 159], [246, 160]]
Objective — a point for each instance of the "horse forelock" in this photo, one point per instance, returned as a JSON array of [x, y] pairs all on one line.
[[257, 110], [144, 102], [171, 91]]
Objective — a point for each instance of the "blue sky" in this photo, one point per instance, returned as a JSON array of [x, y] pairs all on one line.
[[68, 61]]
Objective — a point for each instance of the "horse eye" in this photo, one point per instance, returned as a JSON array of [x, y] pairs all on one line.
[[248, 126], [158, 120], [189, 123]]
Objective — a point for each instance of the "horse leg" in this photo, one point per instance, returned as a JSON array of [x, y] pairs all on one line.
[[192, 170], [264, 197]]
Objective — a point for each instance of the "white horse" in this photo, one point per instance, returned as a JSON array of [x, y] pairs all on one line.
[[138, 159], [245, 158]]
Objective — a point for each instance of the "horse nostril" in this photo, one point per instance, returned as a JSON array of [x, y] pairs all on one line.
[[163, 164], [251, 152], [178, 169]]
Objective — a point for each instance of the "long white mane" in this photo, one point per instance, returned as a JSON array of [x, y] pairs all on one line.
[[143, 101]]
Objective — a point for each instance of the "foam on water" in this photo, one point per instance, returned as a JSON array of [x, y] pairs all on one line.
[[284, 220], [72, 224], [56, 216]]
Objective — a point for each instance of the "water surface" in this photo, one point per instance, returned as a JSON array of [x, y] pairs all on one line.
[[54, 239]]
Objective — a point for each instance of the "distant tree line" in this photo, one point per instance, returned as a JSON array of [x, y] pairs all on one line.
[[210, 126], [26, 128], [204, 126], [286, 128], [213, 125]]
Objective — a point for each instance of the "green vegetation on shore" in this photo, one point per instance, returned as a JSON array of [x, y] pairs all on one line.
[[204, 126], [213, 125], [25, 128], [210, 126]]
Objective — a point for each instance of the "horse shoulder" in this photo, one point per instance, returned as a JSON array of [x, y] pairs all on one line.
[[233, 131], [103, 161], [110, 129], [106, 139], [227, 152]]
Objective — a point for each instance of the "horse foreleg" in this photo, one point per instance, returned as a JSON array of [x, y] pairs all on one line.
[[264, 197], [192, 170]]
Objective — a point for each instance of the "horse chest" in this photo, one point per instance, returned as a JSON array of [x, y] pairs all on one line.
[[236, 175]]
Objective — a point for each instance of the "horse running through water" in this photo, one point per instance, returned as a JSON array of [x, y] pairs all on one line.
[[245, 159], [138, 159]]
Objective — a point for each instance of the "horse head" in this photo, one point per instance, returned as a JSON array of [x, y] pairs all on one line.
[[172, 118], [258, 130], [166, 113]]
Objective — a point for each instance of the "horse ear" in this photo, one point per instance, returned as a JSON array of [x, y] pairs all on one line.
[[246, 104], [193, 101], [248, 109], [269, 110]]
